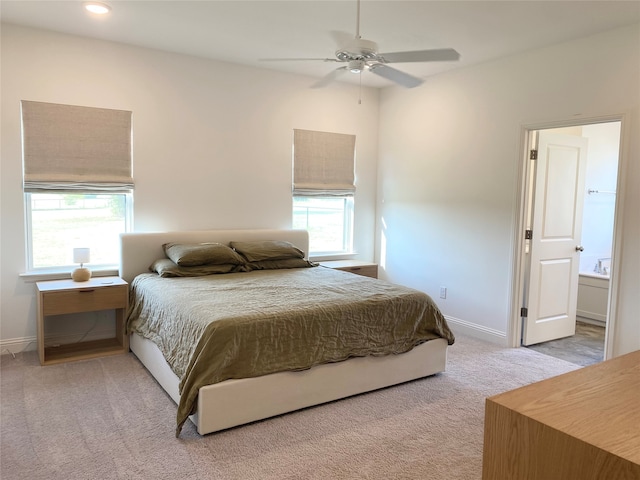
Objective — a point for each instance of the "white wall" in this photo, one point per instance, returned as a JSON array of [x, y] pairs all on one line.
[[450, 153], [212, 141], [599, 208]]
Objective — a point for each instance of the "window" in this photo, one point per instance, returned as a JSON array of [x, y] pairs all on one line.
[[59, 222], [324, 189], [329, 221], [77, 182]]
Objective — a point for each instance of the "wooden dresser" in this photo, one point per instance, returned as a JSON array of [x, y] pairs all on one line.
[[583, 425]]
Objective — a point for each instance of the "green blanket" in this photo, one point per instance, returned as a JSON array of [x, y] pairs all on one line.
[[240, 325]]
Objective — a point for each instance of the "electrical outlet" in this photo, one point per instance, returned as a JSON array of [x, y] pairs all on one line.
[[443, 292]]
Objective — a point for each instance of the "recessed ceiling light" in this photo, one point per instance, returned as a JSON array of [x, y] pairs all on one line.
[[98, 8]]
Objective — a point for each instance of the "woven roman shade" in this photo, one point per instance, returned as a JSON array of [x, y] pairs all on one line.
[[323, 163], [71, 148]]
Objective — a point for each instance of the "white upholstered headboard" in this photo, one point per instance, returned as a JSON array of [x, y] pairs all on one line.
[[139, 250]]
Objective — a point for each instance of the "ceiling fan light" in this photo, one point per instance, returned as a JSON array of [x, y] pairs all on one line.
[[356, 66], [98, 8]]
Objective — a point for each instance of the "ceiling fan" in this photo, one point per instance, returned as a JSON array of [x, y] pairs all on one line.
[[361, 55]]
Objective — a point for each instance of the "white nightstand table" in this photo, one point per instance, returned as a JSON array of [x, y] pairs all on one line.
[[58, 297], [366, 269]]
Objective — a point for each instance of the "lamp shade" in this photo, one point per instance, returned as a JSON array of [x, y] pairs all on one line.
[[81, 255]]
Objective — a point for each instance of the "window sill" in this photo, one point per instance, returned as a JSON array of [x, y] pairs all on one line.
[[332, 256], [39, 275]]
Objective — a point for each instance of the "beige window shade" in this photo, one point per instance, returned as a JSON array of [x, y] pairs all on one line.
[[323, 163], [67, 147]]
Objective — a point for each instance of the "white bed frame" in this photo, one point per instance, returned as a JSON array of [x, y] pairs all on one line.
[[236, 402]]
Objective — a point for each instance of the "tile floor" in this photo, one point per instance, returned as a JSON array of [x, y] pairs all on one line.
[[586, 347]]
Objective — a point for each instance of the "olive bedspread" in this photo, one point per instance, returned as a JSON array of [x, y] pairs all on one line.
[[238, 325]]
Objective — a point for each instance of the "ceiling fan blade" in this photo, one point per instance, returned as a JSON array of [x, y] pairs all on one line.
[[437, 55], [394, 75], [298, 59], [327, 79]]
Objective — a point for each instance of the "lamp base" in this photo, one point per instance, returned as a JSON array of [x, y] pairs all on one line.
[[81, 274]]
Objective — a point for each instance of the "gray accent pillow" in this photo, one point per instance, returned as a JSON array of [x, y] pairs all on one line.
[[267, 250], [194, 254], [166, 268]]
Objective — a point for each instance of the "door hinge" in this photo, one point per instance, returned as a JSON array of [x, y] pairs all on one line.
[[528, 234], [533, 155], [523, 312]]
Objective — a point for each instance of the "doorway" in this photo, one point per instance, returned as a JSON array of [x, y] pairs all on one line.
[[570, 182]]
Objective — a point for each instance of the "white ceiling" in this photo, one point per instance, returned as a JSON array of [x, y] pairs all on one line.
[[243, 31]]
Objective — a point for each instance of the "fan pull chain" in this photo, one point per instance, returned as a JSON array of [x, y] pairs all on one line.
[[360, 90]]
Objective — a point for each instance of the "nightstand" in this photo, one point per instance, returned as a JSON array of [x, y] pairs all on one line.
[[366, 269], [60, 297]]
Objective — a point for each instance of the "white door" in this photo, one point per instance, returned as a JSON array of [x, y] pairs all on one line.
[[555, 244]]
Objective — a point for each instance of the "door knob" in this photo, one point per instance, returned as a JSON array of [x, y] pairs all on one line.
[[579, 248]]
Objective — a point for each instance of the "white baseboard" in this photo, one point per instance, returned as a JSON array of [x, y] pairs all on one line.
[[17, 345], [592, 321], [477, 331], [596, 318], [26, 344]]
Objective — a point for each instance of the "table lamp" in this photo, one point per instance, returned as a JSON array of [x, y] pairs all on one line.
[[81, 256]]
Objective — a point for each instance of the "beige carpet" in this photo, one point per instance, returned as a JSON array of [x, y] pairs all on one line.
[[108, 419]]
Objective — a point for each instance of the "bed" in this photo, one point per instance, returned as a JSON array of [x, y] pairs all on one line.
[[224, 401]]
